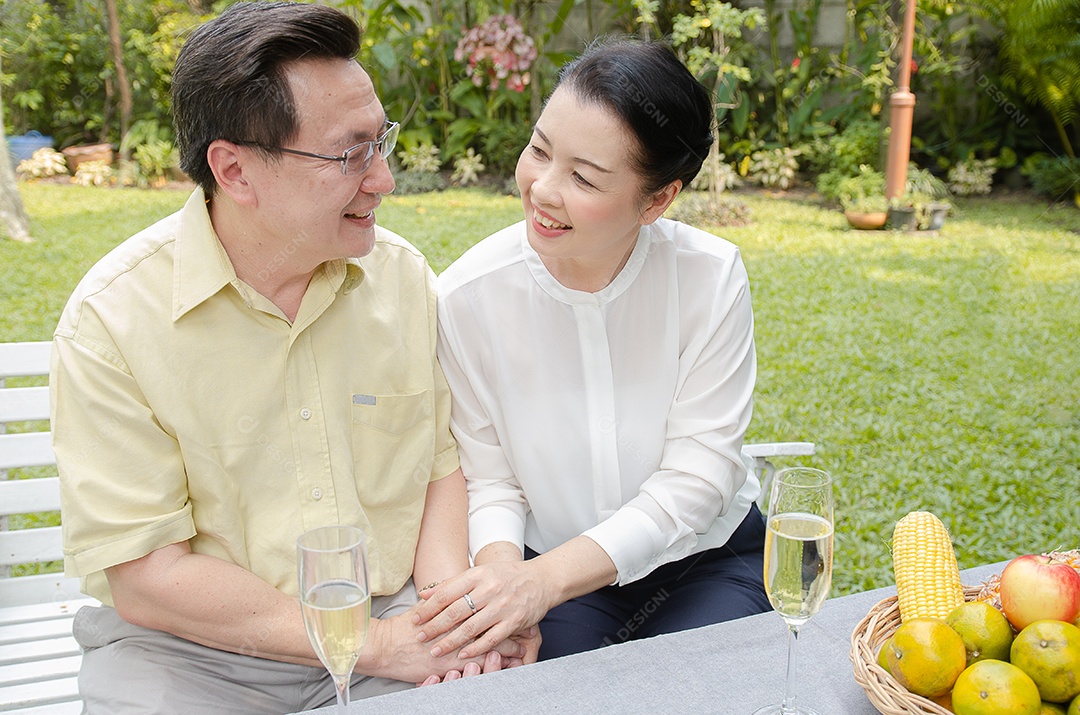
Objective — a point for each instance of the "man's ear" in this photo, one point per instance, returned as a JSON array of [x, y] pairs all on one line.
[[228, 164], [660, 201]]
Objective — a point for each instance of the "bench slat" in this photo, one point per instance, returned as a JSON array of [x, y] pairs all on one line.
[[28, 496], [31, 546], [20, 673], [16, 697], [69, 707], [40, 631], [36, 612], [31, 449], [24, 359], [72, 707], [40, 588], [22, 404], [39, 650]]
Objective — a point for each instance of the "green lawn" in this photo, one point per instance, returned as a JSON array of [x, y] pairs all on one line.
[[933, 372]]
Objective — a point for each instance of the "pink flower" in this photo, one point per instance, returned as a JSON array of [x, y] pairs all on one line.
[[796, 62], [497, 49]]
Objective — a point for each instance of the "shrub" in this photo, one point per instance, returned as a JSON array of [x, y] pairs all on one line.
[[421, 159], [859, 143], [155, 159], [418, 182], [864, 192], [726, 176], [503, 143], [93, 173], [467, 168], [694, 208], [42, 163], [774, 168], [1055, 177], [925, 183], [972, 176]]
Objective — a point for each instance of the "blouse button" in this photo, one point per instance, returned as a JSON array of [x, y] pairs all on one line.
[[305, 414], [316, 494]]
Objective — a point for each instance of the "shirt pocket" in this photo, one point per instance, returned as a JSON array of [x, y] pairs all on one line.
[[393, 448]]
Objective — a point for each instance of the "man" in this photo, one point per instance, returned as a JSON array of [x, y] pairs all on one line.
[[258, 364]]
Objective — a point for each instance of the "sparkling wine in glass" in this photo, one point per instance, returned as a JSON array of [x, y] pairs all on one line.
[[798, 560], [335, 599]]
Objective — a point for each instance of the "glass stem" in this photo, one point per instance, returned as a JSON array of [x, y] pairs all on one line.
[[791, 704], [341, 689]]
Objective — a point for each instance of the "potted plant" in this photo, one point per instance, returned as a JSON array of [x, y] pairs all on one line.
[[904, 211], [866, 212], [863, 198], [929, 198]]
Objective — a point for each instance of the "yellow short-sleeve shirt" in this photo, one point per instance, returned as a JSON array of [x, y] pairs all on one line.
[[185, 406]]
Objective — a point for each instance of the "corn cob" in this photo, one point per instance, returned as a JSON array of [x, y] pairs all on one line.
[[927, 577]]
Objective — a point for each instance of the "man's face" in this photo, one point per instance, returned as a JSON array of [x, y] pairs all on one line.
[[311, 211]]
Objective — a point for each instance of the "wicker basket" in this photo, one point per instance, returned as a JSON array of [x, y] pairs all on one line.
[[885, 694]]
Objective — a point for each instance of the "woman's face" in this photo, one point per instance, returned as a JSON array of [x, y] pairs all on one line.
[[582, 197]]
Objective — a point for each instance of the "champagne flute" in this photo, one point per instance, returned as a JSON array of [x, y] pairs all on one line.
[[798, 560], [335, 599]]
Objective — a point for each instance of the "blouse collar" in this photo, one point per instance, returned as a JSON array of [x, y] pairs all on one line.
[[608, 293]]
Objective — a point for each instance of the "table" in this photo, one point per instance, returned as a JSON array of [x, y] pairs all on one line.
[[734, 667]]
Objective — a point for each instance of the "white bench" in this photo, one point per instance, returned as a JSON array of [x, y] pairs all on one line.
[[758, 458], [39, 659]]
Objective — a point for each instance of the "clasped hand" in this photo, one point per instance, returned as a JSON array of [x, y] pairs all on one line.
[[403, 655], [510, 598]]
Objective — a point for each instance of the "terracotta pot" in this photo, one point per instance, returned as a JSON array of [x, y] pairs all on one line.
[[79, 153], [866, 221]]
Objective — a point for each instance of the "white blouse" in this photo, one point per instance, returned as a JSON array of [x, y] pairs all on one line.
[[618, 414]]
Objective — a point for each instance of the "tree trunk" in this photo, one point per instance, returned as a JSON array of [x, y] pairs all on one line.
[[13, 218], [123, 86]]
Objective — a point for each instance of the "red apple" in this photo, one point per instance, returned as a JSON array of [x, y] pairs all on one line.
[[1035, 587]]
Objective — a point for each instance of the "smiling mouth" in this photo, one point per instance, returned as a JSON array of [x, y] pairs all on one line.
[[548, 223], [358, 216]]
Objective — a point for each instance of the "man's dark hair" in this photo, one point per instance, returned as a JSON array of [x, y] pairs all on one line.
[[229, 81], [646, 86]]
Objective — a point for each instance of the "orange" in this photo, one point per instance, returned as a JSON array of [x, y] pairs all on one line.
[[993, 687], [1074, 706], [1049, 651], [985, 630], [883, 655], [926, 656], [944, 701], [1052, 709]]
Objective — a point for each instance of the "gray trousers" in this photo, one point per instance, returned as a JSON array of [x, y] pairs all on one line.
[[130, 669]]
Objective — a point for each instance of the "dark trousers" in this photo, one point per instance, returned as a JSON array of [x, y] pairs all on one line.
[[721, 584]]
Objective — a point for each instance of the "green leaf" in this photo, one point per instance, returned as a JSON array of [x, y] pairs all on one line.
[[385, 55], [740, 115]]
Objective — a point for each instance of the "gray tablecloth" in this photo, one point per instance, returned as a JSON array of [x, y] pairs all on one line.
[[733, 667]]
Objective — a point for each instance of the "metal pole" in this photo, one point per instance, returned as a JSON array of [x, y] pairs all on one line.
[[901, 112]]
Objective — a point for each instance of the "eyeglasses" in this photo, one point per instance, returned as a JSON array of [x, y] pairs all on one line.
[[354, 160]]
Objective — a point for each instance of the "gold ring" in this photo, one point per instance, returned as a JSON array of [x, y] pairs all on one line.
[[468, 600]]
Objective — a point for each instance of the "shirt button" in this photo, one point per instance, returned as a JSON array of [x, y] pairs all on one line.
[[305, 414], [316, 493]]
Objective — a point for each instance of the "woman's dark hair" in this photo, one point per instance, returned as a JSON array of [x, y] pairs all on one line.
[[230, 83], [656, 97]]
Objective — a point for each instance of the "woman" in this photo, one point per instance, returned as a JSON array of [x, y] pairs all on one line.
[[602, 364]]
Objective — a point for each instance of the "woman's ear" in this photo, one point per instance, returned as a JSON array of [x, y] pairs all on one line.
[[228, 164], [660, 201]]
